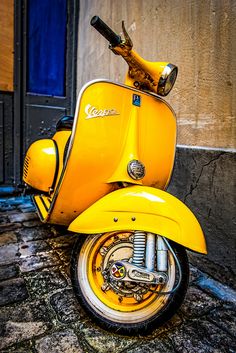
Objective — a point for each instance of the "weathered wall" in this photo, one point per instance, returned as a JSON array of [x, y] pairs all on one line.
[[203, 180], [198, 36]]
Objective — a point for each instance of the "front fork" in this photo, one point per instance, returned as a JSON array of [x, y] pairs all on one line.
[[145, 245]]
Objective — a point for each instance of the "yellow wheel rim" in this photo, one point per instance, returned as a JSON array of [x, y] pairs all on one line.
[[95, 265]]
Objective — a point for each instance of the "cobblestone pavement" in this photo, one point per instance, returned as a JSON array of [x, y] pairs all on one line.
[[39, 312]]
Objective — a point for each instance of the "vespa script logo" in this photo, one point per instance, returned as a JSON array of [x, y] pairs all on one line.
[[93, 112]]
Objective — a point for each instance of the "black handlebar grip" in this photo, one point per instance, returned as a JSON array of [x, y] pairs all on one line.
[[105, 31]]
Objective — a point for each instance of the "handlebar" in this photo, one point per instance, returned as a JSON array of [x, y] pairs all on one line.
[[113, 38]]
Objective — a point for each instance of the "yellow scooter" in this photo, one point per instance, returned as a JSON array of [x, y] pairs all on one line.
[[103, 174]]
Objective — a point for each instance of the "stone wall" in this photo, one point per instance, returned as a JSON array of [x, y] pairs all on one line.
[[203, 180], [200, 38]]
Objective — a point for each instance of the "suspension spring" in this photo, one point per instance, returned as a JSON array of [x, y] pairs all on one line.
[[139, 248]]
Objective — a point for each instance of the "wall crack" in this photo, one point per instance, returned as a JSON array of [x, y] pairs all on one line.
[[195, 184]]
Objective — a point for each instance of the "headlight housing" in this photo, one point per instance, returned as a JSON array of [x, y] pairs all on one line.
[[167, 79]]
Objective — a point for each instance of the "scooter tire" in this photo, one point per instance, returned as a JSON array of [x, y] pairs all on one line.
[[144, 327]]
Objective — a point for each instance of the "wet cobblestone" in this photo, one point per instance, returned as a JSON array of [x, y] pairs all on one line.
[[39, 312], [62, 341], [66, 306]]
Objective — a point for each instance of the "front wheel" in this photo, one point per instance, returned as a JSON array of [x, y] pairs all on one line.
[[122, 306]]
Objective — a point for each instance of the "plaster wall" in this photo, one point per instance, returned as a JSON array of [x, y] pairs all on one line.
[[198, 36]]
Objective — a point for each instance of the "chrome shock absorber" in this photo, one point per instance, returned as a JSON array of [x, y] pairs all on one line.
[[139, 248], [150, 252], [162, 255]]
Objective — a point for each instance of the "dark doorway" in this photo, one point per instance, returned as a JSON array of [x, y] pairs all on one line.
[[45, 70]]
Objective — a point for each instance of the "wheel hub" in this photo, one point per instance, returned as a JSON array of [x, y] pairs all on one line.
[[113, 270]]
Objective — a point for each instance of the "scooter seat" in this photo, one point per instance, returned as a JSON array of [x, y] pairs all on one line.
[[65, 123]]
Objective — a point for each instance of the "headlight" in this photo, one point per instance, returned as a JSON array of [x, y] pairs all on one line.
[[167, 79]]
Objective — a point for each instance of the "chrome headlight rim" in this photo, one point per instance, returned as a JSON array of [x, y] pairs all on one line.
[[167, 73]]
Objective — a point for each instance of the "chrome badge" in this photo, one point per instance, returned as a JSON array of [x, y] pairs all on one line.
[[136, 169], [93, 112]]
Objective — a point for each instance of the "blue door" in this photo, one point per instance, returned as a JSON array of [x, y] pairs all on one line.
[[46, 79], [46, 47]]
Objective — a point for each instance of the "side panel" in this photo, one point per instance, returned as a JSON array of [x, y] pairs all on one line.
[[143, 208], [110, 129], [41, 165]]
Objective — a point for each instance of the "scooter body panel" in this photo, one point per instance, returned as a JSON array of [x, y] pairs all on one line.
[[143, 208], [113, 125], [40, 164]]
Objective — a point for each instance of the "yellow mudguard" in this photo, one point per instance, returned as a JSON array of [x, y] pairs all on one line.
[[143, 208]]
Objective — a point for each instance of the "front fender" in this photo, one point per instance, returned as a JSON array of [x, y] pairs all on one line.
[[143, 208]]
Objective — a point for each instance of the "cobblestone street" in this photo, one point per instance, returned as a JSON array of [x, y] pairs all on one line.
[[39, 312]]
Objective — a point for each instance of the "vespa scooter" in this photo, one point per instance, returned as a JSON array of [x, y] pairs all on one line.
[[104, 174]]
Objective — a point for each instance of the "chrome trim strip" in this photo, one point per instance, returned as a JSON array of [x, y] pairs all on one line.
[[57, 166]]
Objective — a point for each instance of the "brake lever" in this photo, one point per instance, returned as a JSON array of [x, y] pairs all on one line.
[[128, 41], [125, 46]]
